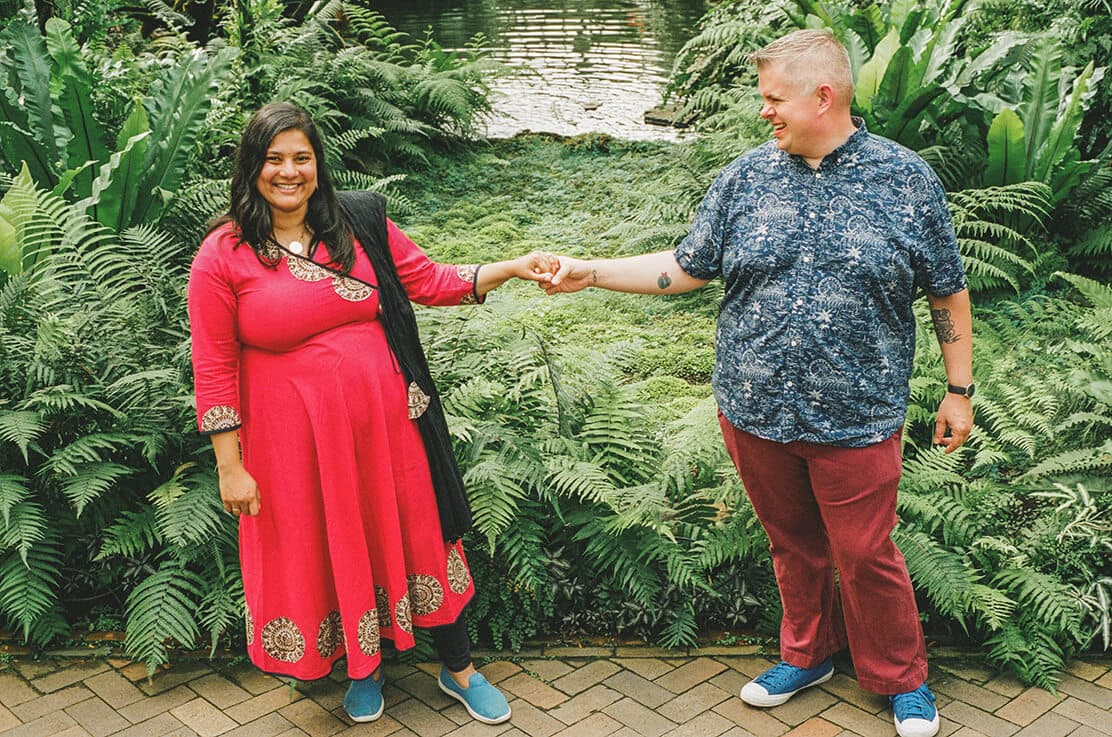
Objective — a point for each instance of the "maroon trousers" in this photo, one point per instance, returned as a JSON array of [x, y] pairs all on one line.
[[826, 507]]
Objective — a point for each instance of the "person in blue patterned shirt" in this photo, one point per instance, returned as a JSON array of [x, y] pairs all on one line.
[[823, 237]]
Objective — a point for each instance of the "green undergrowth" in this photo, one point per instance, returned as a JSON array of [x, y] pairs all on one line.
[[497, 199]]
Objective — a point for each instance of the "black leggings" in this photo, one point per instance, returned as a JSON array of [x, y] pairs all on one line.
[[453, 644]]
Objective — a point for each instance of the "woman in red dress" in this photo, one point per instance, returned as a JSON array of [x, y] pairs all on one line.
[[329, 438]]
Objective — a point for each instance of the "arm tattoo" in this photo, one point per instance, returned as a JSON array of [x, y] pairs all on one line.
[[944, 326], [594, 276], [663, 281]]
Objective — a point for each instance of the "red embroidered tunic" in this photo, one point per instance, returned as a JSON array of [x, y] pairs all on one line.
[[347, 548]]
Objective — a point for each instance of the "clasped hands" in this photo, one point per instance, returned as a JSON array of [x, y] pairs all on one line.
[[554, 273]]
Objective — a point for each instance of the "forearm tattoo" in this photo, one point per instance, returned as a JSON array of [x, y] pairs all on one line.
[[594, 276], [663, 281], [944, 326]]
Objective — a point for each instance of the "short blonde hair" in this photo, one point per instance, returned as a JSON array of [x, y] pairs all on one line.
[[810, 57]]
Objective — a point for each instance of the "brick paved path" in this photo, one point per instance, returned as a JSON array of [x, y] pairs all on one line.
[[620, 693]]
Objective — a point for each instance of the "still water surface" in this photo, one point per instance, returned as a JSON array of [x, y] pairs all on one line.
[[586, 66]]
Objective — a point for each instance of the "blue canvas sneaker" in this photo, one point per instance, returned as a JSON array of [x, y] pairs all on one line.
[[483, 701], [914, 713], [363, 701], [782, 681]]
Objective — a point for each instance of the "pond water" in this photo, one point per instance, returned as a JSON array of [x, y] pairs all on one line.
[[581, 67]]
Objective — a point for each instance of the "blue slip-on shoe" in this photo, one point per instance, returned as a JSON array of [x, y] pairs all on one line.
[[483, 701], [914, 713], [782, 681], [363, 700]]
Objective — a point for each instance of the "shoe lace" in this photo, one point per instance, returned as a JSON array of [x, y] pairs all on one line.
[[778, 675], [917, 704]]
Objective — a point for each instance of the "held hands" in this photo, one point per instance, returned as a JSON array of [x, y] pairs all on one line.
[[571, 276], [537, 266], [956, 415], [239, 492]]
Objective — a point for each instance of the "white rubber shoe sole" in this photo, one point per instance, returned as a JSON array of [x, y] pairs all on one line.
[[755, 694]]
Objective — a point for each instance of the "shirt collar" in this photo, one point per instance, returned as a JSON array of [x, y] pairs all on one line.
[[855, 141]]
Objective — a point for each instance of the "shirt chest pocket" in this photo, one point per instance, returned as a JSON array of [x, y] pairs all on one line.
[[768, 239]]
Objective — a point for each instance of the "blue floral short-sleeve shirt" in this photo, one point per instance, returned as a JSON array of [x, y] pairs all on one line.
[[816, 334]]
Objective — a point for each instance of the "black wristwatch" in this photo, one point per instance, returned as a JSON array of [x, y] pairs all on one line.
[[965, 391]]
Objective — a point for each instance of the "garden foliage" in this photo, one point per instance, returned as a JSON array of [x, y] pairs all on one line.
[[603, 499]]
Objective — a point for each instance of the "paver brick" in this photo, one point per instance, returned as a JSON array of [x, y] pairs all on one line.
[[74, 731], [708, 724], [641, 689], [203, 718], [43, 705], [803, 706], [815, 727], [325, 692], [158, 726], [1028, 706], [424, 687], [1085, 713], [32, 669], [648, 668], [478, 729], [757, 721], [581, 679], [1009, 686], [499, 670], [1086, 731], [980, 720], [152, 705], [165, 679], [638, 716], [691, 703], [293, 732], [579, 652], [97, 717], [1048, 725], [596, 725], [47, 725], [264, 703], [730, 681], [847, 689], [219, 691], [579, 707], [114, 689], [384, 725], [857, 720], [1094, 694], [968, 732], [1083, 670], [7, 719], [271, 725], [549, 670], [69, 675], [970, 693], [252, 679], [312, 718], [421, 719], [535, 692], [14, 690], [532, 721], [689, 675]]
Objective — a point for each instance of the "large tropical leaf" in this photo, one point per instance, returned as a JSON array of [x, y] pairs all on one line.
[[27, 105], [1007, 151]]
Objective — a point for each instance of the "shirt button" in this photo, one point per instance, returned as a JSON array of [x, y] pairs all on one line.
[[811, 215], [799, 303], [789, 385], [818, 175], [806, 259], [795, 343]]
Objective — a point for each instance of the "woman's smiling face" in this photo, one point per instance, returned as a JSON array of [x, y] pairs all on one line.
[[289, 174]]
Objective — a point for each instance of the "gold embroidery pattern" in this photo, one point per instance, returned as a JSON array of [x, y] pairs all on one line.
[[459, 577], [350, 289], [369, 638], [425, 593], [220, 417], [271, 252], [329, 634], [382, 602], [467, 273], [418, 401], [305, 270], [283, 641], [250, 623], [402, 615]]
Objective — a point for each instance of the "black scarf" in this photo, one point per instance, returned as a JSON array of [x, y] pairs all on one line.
[[365, 212]]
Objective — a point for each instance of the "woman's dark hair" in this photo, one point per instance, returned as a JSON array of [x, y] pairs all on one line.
[[251, 213]]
